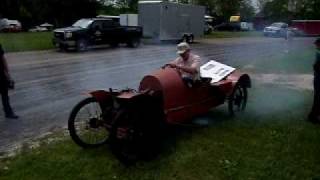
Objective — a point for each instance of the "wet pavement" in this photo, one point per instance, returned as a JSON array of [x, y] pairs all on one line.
[[50, 83]]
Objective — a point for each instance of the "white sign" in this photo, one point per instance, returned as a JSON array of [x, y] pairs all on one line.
[[215, 70]]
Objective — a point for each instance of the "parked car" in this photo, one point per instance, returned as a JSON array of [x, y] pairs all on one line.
[[38, 29], [47, 25], [94, 31], [42, 28], [7, 25], [278, 29]]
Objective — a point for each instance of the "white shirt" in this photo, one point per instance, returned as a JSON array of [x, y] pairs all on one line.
[[193, 61]]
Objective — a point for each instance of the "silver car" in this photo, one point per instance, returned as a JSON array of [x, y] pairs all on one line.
[[278, 29]]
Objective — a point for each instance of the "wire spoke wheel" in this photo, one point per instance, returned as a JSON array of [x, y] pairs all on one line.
[[86, 124], [238, 100]]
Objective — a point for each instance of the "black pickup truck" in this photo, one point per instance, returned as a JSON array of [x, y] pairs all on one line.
[[95, 31]]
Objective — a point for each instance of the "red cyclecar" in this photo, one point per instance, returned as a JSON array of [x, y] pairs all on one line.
[[131, 121]]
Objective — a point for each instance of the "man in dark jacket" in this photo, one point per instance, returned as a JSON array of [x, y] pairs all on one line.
[[5, 84], [314, 115]]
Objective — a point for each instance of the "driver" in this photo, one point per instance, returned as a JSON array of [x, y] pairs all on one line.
[[188, 64]]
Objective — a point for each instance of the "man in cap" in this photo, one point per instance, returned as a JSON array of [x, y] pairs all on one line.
[[314, 115], [6, 83], [188, 64]]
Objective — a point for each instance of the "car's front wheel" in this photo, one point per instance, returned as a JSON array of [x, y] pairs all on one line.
[[62, 47], [237, 101], [86, 124], [114, 44]]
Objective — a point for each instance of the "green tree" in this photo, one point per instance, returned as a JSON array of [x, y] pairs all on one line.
[[59, 12], [306, 9], [116, 7], [229, 8], [246, 10], [277, 10], [286, 10]]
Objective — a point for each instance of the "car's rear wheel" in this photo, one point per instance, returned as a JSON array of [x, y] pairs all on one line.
[[136, 134], [82, 45], [188, 38], [124, 139], [134, 43]]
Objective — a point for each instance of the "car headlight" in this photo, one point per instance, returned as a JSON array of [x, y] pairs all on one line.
[[68, 34]]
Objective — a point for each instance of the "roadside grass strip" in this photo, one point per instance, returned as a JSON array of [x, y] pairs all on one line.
[[32, 41], [271, 140], [233, 34], [26, 41]]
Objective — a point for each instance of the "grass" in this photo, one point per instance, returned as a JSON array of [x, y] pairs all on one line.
[[271, 140], [231, 34], [26, 41]]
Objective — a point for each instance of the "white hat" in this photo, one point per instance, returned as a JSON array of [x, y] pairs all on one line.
[[182, 47]]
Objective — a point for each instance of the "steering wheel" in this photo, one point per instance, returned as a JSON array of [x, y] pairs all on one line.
[[167, 65], [170, 66]]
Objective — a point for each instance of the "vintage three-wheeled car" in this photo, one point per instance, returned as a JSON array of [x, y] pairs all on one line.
[[130, 121]]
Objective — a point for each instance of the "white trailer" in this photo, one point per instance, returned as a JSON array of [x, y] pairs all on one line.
[[162, 21], [129, 19]]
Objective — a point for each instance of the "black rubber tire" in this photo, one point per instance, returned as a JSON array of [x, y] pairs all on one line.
[[191, 39], [62, 48], [134, 43], [114, 44], [142, 141], [244, 98], [82, 45], [188, 39], [185, 38], [126, 150], [71, 125]]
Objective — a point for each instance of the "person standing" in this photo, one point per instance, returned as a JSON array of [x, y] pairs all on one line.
[[314, 115], [6, 83]]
